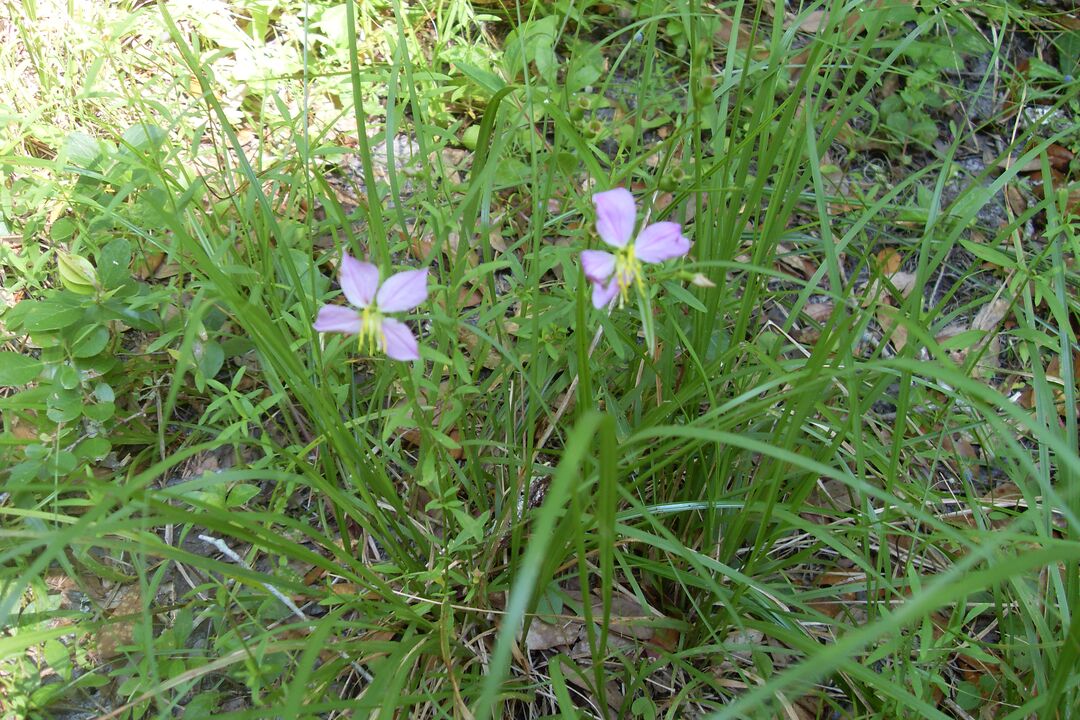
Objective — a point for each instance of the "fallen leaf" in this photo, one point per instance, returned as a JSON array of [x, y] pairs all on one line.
[[744, 639], [422, 245], [497, 241], [961, 446], [411, 435], [1058, 157], [628, 617], [155, 266], [904, 282], [666, 638], [729, 29], [491, 360], [22, 429], [1057, 382], [889, 261], [887, 317], [954, 353], [575, 674], [120, 629], [813, 21], [1058, 182], [1015, 199], [988, 319], [544, 636], [818, 312], [791, 260]]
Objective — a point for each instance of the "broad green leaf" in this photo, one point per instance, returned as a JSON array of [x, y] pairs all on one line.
[[17, 369], [485, 79], [94, 448], [36, 316], [67, 376], [90, 341], [82, 150], [144, 136], [64, 407], [104, 393], [242, 494], [61, 230], [210, 358], [99, 412], [113, 263]]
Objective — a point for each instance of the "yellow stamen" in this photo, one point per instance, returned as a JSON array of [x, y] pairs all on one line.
[[627, 272], [371, 333]]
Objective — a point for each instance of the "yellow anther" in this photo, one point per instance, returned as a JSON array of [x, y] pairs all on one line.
[[371, 337], [627, 271]]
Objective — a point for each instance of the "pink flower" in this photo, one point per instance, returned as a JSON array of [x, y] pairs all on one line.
[[400, 293], [613, 274]]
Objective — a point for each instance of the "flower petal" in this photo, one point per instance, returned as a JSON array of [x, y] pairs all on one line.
[[337, 318], [400, 344], [359, 280], [615, 215], [598, 265], [659, 242], [403, 291], [603, 294]]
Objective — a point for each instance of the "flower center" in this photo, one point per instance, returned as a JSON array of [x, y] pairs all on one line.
[[371, 337], [627, 271]]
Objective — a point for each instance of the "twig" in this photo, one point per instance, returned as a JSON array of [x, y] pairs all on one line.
[[285, 600], [229, 553]]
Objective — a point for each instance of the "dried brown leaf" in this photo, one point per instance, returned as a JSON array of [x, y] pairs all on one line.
[[813, 21], [990, 315], [1016, 200], [904, 282], [887, 318], [411, 434], [788, 259], [576, 671], [961, 446], [818, 312], [889, 261], [741, 639], [155, 266], [560, 634], [491, 360], [728, 30], [121, 628]]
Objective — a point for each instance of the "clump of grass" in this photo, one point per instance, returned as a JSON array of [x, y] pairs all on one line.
[[788, 483]]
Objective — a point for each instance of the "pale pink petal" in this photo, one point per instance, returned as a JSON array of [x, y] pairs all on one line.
[[602, 294], [597, 264], [400, 342], [336, 318], [403, 291], [659, 242], [615, 215], [359, 280]]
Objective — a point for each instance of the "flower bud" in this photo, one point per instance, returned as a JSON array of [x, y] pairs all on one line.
[[579, 107], [703, 93]]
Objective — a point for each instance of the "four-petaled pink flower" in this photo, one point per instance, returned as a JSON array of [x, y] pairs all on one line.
[[613, 274], [370, 299]]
